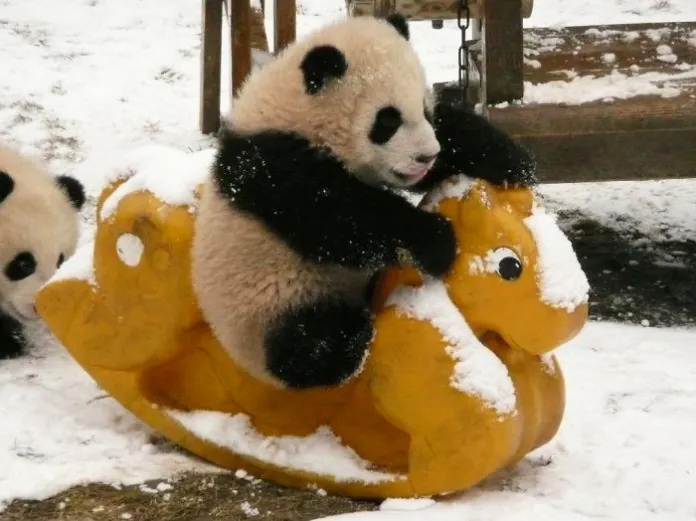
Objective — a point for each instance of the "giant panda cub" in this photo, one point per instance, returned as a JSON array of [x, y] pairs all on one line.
[[300, 212], [38, 231]]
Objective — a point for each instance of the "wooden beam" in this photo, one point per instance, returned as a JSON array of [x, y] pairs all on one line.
[[615, 156], [645, 137], [502, 44], [211, 56], [241, 43], [284, 16]]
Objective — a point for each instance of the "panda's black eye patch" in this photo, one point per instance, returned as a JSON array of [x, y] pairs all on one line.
[[23, 265], [387, 122], [6, 185], [61, 260]]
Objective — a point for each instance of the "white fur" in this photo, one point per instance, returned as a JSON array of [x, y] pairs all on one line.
[[36, 217]]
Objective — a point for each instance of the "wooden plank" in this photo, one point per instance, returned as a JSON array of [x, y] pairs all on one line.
[[422, 9], [615, 156], [240, 27], [502, 55], [645, 137], [211, 56], [285, 14]]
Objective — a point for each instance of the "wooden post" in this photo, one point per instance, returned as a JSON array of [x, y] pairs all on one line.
[[284, 15], [502, 50], [240, 26], [211, 51]]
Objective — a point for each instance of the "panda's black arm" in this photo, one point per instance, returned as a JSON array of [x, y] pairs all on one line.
[[11, 336], [326, 215], [471, 145]]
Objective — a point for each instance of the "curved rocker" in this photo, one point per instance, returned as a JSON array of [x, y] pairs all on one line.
[[458, 383]]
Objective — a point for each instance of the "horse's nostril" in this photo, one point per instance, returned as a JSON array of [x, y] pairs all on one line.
[[425, 159]]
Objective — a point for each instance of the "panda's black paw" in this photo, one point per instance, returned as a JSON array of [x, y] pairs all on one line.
[[433, 245], [12, 340], [321, 344]]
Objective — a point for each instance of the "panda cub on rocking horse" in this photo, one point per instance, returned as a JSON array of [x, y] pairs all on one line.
[[299, 214]]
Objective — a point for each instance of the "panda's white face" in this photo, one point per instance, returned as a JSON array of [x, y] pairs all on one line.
[[38, 230], [26, 267], [399, 147]]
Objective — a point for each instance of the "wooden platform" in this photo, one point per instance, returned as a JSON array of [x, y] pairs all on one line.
[[643, 137]]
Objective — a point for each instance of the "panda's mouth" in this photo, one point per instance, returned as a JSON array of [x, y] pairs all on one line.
[[411, 177]]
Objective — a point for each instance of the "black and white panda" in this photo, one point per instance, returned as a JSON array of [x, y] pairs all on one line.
[[38, 231], [298, 215]]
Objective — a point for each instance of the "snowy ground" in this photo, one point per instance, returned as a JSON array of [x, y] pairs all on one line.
[[84, 81]]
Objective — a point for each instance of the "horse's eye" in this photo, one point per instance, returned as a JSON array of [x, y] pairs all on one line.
[[507, 263]]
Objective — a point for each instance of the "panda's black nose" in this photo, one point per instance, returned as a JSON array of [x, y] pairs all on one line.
[[425, 159]]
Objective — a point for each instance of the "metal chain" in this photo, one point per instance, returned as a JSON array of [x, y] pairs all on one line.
[[463, 22], [465, 50]]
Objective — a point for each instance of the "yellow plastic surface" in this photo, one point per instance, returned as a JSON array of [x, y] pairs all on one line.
[[139, 333]]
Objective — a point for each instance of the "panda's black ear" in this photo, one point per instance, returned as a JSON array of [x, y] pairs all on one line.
[[320, 65], [398, 22], [6, 185], [73, 189]]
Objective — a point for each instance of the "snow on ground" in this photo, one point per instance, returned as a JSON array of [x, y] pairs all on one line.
[[84, 82], [58, 430]]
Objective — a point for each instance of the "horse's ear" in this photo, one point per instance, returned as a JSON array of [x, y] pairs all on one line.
[[519, 198]]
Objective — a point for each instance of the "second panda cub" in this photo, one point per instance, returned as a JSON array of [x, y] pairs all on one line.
[[38, 232], [299, 214]]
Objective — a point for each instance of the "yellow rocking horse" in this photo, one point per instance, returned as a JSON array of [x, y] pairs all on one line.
[[458, 382]]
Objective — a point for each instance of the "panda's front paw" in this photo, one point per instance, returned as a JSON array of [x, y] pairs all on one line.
[[434, 248], [12, 340]]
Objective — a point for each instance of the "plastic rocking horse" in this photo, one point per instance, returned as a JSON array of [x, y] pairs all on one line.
[[459, 381]]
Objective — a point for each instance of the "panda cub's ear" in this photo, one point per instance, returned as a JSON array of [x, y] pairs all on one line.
[[320, 65], [73, 189], [6, 185], [398, 22]]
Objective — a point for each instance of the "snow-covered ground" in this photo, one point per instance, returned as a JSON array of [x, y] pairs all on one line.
[[85, 81]]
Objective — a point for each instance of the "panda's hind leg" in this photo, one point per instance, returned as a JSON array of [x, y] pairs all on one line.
[[12, 340], [320, 344]]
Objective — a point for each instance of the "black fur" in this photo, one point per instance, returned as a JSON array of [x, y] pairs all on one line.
[[320, 65], [12, 339], [6, 185], [73, 189], [310, 201], [21, 266], [387, 122], [318, 345], [471, 145], [398, 21]]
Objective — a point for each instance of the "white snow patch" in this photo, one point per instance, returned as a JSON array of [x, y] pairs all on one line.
[[79, 266], [562, 282], [616, 85], [248, 510], [320, 453], [692, 42], [406, 505], [547, 363], [130, 249], [534, 64], [608, 57], [658, 209], [477, 371], [171, 176], [663, 49], [455, 187]]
